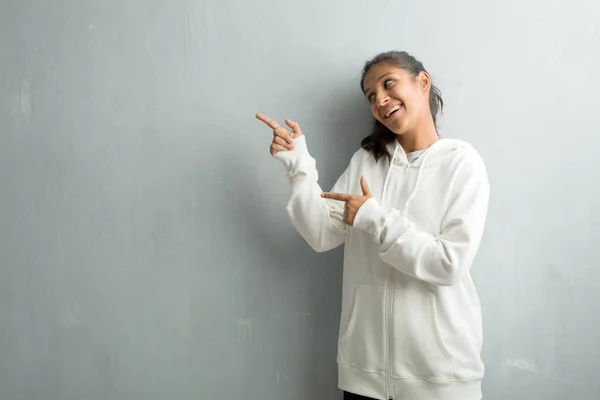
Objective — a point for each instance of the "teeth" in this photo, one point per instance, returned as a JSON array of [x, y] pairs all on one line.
[[387, 115]]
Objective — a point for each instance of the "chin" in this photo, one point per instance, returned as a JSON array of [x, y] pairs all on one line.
[[398, 130]]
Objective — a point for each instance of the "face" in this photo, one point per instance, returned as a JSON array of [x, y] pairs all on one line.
[[398, 100]]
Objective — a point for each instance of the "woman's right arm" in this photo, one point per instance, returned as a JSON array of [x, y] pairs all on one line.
[[318, 220]]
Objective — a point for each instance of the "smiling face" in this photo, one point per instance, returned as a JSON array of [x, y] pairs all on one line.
[[398, 100]]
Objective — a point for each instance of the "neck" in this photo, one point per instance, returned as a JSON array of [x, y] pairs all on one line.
[[420, 138]]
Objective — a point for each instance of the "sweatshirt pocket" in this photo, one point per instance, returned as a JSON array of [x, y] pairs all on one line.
[[363, 342], [419, 347]]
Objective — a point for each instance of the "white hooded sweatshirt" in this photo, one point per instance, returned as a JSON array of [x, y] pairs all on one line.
[[411, 325]]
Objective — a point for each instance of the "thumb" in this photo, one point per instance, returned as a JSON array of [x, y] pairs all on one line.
[[365, 188], [295, 127]]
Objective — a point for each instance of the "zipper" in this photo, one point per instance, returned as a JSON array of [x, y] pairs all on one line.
[[389, 320], [389, 298], [389, 312]]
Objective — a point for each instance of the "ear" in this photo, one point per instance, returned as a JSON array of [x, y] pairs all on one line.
[[424, 81]]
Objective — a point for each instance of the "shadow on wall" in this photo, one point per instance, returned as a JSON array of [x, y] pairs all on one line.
[[291, 294], [343, 120], [284, 283]]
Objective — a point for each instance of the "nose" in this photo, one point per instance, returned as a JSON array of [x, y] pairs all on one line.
[[381, 99]]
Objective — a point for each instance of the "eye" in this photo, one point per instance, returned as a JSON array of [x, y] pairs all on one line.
[[371, 97], [388, 83]]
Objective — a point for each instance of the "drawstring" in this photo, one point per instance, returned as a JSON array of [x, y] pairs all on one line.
[[412, 194], [387, 177]]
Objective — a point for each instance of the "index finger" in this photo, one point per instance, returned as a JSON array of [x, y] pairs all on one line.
[[272, 124], [336, 196]]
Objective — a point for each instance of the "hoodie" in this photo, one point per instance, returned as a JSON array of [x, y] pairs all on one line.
[[410, 325]]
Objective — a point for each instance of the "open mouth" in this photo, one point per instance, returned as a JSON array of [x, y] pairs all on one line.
[[390, 113]]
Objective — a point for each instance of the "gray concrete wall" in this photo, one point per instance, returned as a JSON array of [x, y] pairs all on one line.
[[145, 251]]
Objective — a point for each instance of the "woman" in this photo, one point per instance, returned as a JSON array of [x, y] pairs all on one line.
[[411, 210]]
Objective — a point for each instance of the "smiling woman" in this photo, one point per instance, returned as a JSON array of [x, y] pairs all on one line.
[[411, 322], [396, 85]]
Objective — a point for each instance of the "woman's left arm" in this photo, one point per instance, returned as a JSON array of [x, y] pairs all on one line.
[[441, 259]]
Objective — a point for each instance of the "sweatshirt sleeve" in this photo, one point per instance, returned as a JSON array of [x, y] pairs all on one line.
[[441, 259], [318, 220]]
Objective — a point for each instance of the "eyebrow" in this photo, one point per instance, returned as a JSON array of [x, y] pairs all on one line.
[[378, 79]]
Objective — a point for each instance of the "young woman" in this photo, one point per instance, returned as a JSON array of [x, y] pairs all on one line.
[[411, 210]]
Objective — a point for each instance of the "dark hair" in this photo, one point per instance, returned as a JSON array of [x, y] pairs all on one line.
[[380, 135]]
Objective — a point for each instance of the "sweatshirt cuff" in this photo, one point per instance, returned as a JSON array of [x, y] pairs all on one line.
[[298, 158], [370, 218]]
